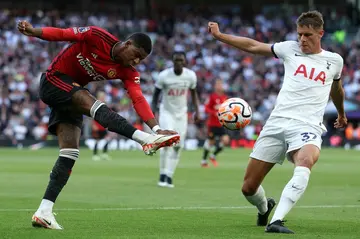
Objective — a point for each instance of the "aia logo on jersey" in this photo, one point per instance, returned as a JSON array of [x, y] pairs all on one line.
[[111, 73], [310, 73], [176, 92]]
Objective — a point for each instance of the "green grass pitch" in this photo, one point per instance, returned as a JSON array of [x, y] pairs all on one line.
[[120, 199]]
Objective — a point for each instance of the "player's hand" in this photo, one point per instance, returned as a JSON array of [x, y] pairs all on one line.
[[166, 132], [26, 28], [340, 122], [213, 28]]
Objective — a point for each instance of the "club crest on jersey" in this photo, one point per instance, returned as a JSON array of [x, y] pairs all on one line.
[[83, 29], [111, 73], [302, 70]]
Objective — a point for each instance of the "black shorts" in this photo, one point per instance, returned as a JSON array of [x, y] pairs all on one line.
[[56, 90], [100, 134], [216, 132]]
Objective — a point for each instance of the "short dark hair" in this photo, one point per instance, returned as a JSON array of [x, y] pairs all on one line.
[[141, 40], [179, 53], [311, 18]]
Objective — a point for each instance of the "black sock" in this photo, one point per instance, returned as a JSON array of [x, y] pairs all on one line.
[[105, 147], [60, 173], [162, 178], [205, 154], [113, 121], [95, 148], [218, 149]]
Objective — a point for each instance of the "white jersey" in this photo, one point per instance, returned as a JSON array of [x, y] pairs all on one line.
[[307, 82], [175, 90]]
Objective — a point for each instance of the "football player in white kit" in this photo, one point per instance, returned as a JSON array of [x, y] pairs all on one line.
[[295, 126], [175, 83]]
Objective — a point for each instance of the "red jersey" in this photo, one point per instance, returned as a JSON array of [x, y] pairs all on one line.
[[89, 58], [211, 108]]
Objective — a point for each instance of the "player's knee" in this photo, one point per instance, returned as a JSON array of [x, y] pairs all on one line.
[[225, 140], [249, 188], [307, 161]]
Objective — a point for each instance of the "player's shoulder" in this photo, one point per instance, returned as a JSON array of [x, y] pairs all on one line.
[[333, 56], [128, 73], [103, 35], [289, 45], [188, 71], [165, 72]]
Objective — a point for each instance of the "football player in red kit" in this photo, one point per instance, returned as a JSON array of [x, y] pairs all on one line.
[[216, 132], [93, 55]]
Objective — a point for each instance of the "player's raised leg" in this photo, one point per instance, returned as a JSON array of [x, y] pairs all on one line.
[[88, 105], [304, 160], [254, 192], [68, 136]]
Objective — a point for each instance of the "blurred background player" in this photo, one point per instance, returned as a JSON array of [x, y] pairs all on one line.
[[217, 135], [100, 133], [175, 83]]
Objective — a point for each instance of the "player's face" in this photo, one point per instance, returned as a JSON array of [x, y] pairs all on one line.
[[179, 61], [130, 55], [219, 87], [309, 39]]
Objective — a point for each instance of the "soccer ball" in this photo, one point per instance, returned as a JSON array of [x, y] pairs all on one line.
[[234, 113]]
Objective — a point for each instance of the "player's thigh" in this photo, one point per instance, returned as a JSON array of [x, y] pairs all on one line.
[[254, 175], [181, 128], [304, 143], [68, 135], [65, 116], [57, 91], [167, 121], [306, 156]]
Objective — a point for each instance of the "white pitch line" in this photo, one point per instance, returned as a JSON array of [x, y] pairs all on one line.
[[170, 208]]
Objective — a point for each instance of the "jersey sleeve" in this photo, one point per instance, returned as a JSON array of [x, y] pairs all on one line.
[[283, 49], [132, 85], [339, 70], [209, 106], [160, 81], [193, 81], [67, 34]]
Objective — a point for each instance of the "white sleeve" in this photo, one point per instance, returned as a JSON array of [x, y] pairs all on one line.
[[339, 68], [193, 80], [160, 81], [283, 49]]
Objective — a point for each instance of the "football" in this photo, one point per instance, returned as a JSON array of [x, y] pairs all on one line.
[[234, 113]]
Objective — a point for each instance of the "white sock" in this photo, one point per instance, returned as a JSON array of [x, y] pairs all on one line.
[[172, 161], [139, 136], [292, 192], [164, 152], [259, 200], [46, 205]]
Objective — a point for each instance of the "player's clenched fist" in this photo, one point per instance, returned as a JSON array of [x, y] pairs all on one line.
[[26, 28], [213, 28]]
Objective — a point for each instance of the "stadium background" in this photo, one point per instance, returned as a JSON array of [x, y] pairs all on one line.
[[173, 25]]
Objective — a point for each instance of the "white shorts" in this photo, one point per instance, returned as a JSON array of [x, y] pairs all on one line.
[[167, 121], [283, 135]]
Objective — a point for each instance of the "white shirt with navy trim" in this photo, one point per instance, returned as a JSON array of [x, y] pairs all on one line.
[[307, 82]]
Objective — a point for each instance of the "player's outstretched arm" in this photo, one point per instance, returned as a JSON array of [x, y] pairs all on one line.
[[337, 95], [53, 33], [242, 43]]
